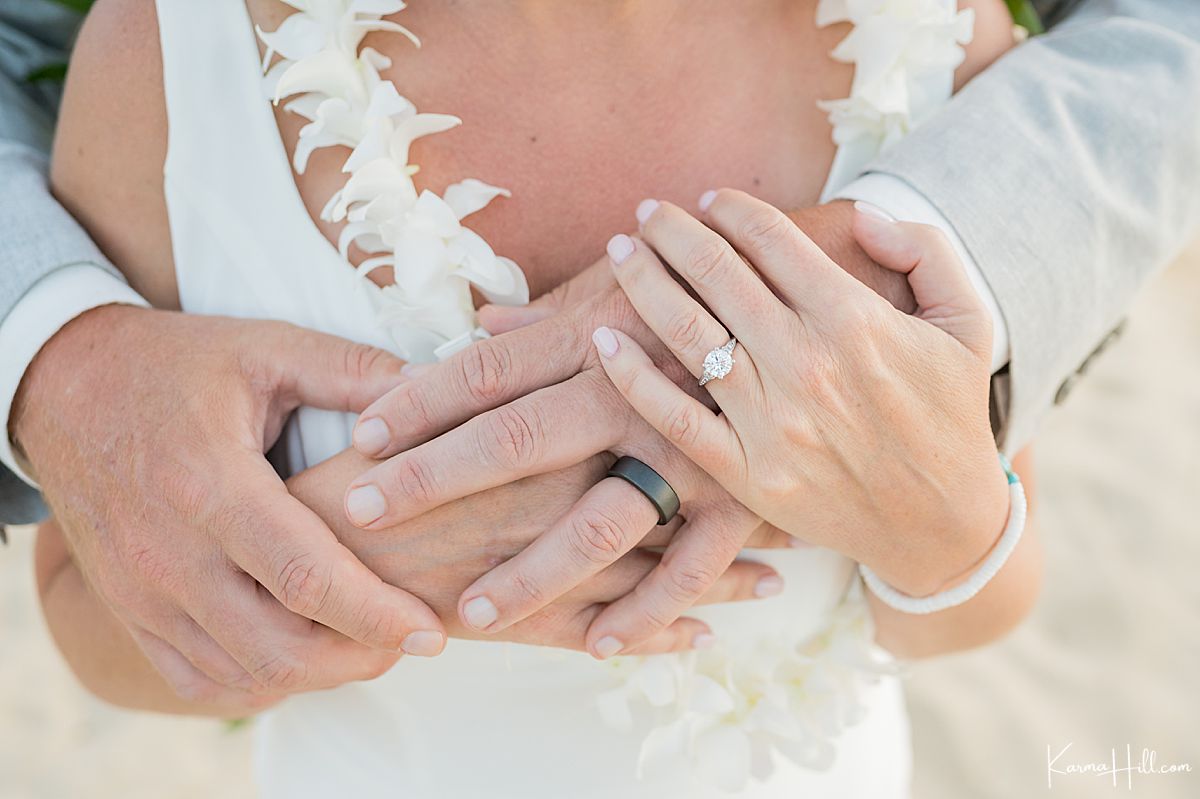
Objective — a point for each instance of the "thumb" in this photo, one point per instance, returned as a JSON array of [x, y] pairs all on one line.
[[943, 292], [497, 319], [324, 371]]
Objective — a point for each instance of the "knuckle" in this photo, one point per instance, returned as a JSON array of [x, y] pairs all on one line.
[[683, 427], [932, 238], [282, 672], [597, 537], [684, 331], [513, 436], [529, 588], [850, 319], [764, 229], [361, 360], [413, 480], [382, 629], [486, 369], [655, 618], [304, 586], [411, 404], [707, 260], [688, 580]]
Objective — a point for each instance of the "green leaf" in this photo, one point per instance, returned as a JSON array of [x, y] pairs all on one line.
[[79, 6], [1025, 15], [233, 725], [49, 72]]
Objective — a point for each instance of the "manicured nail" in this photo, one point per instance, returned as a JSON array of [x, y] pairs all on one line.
[[371, 436], [423, 643], [619, 248], [704, 641], [480, 613], [415, 369], [365, 504], [768, 586], [606, 342], [873, 211], [608, 646], [645, 209], [706, 199]]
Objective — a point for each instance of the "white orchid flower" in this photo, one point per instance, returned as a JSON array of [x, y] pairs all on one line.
[[335, 83]]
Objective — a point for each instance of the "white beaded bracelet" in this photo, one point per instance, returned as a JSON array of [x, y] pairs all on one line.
[[964, 591]]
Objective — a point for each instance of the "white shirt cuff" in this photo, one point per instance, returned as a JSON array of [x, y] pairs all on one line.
[[45, 309], [908, 205]]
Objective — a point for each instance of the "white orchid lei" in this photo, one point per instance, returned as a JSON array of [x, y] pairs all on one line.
[[336, 86], [904, 54], [728, 714]]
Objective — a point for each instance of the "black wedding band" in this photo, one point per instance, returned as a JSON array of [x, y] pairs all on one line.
[[650, 483]]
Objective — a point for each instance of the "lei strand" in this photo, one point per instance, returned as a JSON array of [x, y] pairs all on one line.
[[335, 84]]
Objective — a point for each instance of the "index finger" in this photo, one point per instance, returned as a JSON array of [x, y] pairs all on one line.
[[290, 551], [535, 434], [800, 271], [484, 376]]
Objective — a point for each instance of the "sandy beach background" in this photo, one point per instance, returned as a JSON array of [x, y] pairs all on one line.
[[1110, 658]]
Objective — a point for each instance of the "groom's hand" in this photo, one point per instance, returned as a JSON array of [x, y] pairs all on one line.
[[829, 226], [146, 430]]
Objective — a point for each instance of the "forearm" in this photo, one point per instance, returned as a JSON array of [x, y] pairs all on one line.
[[96, 645], [992, 613]]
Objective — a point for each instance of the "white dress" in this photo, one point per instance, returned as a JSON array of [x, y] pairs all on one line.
[[492, 719]]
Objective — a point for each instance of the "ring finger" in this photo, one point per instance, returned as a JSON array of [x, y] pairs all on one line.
[[677, 319]]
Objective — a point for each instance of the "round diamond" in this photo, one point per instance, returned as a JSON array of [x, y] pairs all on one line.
[[718, 363]]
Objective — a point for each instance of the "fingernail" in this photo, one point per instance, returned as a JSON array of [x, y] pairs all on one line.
[[706, 199], [415, 369], [799, 543], [423, 643], [704, 641], [645, 209], [608, 646], [606, 342], [619, 248], [873, 211], [371, 435], [480, 613], [768, 586], [365, 504]]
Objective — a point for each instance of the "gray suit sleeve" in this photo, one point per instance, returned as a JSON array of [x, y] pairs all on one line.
[[37, 237], [1069, 170]]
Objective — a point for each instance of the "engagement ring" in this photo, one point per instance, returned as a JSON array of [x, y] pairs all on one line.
[[719, 362]]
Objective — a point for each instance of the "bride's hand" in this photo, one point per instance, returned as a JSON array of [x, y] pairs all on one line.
[[843, 421]]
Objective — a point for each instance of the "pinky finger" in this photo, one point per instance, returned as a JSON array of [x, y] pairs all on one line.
[[704, 437], [682, 635]]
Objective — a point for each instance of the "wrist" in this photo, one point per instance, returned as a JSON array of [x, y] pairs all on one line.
[[62, 359], [953, 552]]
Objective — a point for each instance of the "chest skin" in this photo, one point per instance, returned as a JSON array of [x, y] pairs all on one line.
[[583, 113]]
